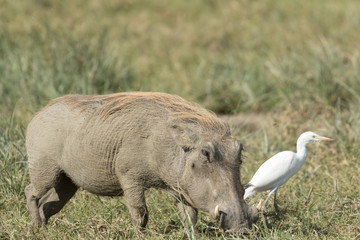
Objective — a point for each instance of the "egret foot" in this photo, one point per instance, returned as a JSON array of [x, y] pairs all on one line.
[[275, 204], [276, 207]]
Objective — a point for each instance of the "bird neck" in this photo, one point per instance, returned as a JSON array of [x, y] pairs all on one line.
[[301, 150]]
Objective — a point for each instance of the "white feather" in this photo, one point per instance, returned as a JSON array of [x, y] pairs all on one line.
[[281, 167]]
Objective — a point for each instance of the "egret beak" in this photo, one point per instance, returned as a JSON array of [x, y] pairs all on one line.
[[321, 138]]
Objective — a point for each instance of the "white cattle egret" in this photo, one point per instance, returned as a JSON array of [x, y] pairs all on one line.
[[278, 169]]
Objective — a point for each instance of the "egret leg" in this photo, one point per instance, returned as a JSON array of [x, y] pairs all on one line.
[[275, 204], [271, 192]]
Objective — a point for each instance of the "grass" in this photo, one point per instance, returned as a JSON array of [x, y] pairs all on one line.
[[290, 66]]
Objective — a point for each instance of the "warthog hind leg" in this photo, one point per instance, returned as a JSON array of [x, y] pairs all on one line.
[[32, 203], [56, 198]]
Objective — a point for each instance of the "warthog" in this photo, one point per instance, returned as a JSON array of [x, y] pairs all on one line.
[[122, 144]]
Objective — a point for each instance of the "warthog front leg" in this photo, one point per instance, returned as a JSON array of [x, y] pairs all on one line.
[[188, 215], [135, 200]]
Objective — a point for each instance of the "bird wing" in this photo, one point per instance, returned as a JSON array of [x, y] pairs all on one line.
[[274, 172]]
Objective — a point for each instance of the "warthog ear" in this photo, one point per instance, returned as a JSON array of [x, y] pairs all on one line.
[[184, 135]]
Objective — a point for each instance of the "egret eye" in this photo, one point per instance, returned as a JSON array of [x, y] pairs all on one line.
[[313, 136]]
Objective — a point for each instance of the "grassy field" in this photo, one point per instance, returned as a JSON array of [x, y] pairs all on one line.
[[273, 69]]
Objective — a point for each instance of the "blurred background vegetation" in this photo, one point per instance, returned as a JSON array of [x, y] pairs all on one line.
[[274, 68]]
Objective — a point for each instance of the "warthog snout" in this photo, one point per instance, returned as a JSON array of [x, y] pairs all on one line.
[[230, 223]]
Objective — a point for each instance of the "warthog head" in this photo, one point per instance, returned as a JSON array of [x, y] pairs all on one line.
[[210, 176]]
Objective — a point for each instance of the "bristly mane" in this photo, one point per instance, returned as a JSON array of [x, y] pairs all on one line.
[[179, 109]]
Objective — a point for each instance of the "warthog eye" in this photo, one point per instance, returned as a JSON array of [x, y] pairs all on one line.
[[206, 154], [186, 149]]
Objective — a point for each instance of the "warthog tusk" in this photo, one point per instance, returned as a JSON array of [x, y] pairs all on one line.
[[217, 212]]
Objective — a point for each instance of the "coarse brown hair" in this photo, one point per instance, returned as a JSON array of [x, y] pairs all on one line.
[[179, 109]]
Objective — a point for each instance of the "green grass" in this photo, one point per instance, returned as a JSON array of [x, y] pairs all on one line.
[[289, 66]]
